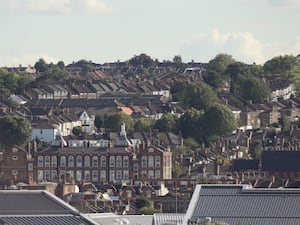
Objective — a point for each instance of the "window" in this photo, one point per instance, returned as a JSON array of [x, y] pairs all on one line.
[[125, 174], [87, 175], [119, 161], [78, 175], [53, 174], [135, 167], [47, 174], [95, 175], [53, 161], [87, 161], [103, 161], [119, 175], [157, 161], [14, 157], [150, 161], [125, 161], [111, 161], [30, 166], [157, 174], [40, 161], [129, 193], [95, 161], [144, 161], [47, 161], [40, 175], [71, 161], [111, 175], [103, 175], [150, 174], [79, 161], [63, 161]]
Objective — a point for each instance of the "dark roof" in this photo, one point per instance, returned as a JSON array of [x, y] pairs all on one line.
[[281, 160], [37, 207], [239, 204], [244, 164]]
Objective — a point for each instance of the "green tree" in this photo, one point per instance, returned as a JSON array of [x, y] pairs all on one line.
[[8, 82], [100, 120], [14, 130], [77, 130], [220, 63], [143, 124], [40, 66], [218, 121], [115, 120], [255, 149], [284, 65], [167, 123], [190, 124], [141, 60], [141, 201], [254, 89]]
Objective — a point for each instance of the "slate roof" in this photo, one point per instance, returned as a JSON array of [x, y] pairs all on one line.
[[240, 204], [37, 207], [244, 164], [281, 160]]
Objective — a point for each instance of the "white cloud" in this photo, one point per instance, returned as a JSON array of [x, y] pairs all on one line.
[[26, 59], [241, 45], [56, 6]]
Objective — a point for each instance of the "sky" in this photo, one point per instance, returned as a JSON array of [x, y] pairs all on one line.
[[252, 31]]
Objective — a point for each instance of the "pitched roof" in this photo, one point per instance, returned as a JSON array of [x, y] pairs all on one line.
[[281, 160], [240, 204]]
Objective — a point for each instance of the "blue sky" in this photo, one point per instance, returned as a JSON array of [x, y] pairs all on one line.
[[111, 30]]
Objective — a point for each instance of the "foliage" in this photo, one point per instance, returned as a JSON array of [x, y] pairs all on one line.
[[85, 66], [143, 124], [141, 60], [283, 123], [191, 143], [99, 121], [141, 201], [190, 124], [115, 120], [148, 211], [255, 149], [218, 121], [167, 123], [220, 63], [77, 130], [255, 90], [284, 65], [8, 82], [195, 95], [14, 130]]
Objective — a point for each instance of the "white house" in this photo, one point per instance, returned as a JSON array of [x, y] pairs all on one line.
[[87, 122], [44, 130]]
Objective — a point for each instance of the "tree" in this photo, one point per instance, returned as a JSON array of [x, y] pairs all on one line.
[[99, 121], [141, 60], [143, 124], [115, 120], [148, 211], [254, 89], [284, 65], [190, 124], [218, 121], [220, 63], [141, 202], [255, 149], [40, 66], [167, 123], [77, 130], [14, 130]]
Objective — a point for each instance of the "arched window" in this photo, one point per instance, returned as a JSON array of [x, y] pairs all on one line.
[[54, 161], [95, 161], [70, 161], [87, 161], [47, 161], [103, 161], [112, 161], [63, 161], [119, 161], [79, 161]]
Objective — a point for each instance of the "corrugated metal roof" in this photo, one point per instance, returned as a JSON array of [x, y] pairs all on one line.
[[237, 204], [163, 218]]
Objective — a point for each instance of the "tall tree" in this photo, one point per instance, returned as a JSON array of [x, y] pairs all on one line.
[[141, 60], [218, 121], [115, 120], [143, 124], [255, 89], [14, 130], [40, 66], [167, 123], [220, 63]]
